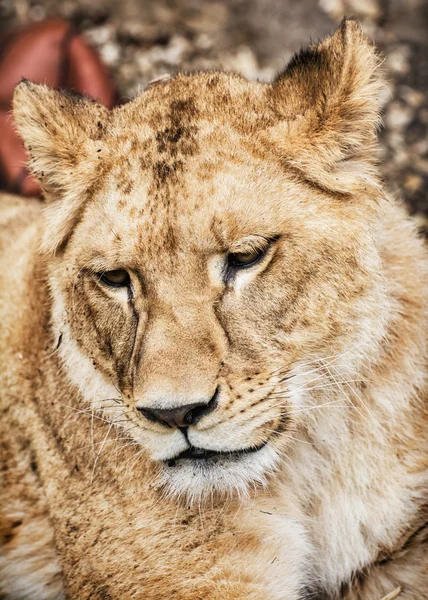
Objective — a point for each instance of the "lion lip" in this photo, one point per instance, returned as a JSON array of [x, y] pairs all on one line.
[[195, 453]]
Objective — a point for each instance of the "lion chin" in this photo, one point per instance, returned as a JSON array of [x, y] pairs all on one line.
[[197, 474]]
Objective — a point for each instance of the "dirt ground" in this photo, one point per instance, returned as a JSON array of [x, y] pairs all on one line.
[[141, 40]]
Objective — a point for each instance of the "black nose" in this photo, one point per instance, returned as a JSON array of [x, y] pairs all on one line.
[[181, 416]]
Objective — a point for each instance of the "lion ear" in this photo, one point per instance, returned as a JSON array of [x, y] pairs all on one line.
[[329, 100], [62, 133]]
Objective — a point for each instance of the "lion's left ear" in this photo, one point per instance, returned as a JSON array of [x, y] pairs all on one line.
[[329, 101]]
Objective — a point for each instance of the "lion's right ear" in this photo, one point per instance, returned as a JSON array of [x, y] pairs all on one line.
[[62, 133]]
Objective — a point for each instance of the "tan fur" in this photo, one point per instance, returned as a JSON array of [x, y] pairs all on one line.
[[318, 351]]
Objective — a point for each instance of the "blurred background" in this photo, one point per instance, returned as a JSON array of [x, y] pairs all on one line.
[[141, 40]]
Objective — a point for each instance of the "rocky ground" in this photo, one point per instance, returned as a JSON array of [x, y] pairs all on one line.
[[141, 40]]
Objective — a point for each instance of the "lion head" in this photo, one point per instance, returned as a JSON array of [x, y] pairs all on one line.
[[212, 254]]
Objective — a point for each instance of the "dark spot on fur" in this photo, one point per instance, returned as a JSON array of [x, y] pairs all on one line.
[[167, 139], [58, 344], [170, 241], [183, 109], [162, 170], [315, 593], [71, 527], [213, 81], [178, 135], [128, 188], [103, 593], [16, 523], [109, 347]]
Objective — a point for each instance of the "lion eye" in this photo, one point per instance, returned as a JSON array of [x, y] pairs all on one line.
[[245, 259], [117, 278]]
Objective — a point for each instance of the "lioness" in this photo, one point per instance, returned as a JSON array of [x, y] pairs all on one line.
[[214, 345]]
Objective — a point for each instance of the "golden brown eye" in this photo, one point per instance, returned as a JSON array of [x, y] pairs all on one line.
[[245, 259], [117, 278]]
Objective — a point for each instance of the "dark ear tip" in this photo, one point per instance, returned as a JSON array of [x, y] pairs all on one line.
[[349, 25], [350, 19], [24, 84]]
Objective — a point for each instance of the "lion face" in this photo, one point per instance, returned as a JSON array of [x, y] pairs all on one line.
[[209, 287]]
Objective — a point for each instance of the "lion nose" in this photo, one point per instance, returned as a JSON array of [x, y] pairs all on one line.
[[181, 416]]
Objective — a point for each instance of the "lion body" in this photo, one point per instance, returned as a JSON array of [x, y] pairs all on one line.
[[317, 355]]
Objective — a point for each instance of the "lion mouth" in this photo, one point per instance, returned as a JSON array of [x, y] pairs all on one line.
[[197, 473], [202, 454]]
